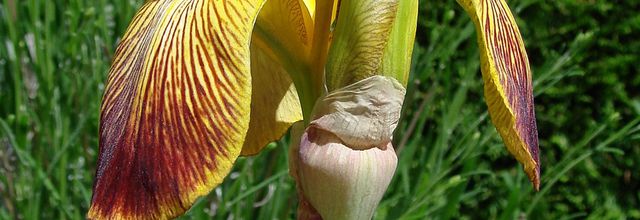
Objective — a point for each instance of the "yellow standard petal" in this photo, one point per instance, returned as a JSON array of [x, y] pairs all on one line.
[[176, 107], [284, 33], [274, 102], [285, 29], [279, 48], [507, 77]]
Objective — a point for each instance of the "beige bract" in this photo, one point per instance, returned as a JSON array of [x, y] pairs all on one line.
[[364, 114]]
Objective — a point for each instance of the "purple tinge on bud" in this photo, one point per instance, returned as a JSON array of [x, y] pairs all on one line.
[[344, 160], [341, 182]]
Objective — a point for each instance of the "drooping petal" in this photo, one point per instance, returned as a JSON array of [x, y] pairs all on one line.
[[362, 32], [507, 77], [176, 107], [274, 102]]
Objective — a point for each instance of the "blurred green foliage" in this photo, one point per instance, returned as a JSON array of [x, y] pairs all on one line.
[[54, 56]]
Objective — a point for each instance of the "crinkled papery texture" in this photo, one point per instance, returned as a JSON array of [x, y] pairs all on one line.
[[345, 161], [176, 107], [507, 77], [363, 114]]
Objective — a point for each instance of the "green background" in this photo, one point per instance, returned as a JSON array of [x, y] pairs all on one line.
[[54, 56]]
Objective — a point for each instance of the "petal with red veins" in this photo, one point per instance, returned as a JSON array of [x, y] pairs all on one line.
[[176, 107], [507, 77]]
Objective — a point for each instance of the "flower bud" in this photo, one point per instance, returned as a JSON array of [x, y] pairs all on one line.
[[345, 160], [341, 182]]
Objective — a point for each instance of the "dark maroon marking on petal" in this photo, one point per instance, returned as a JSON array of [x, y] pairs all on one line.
[[135, 156], [515, 77], [236, 13]]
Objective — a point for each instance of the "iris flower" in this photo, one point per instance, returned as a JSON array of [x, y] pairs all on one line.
[[195, 84]]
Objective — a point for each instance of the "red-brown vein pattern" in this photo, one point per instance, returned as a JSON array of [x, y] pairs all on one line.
[[176, 107], [502, 38]]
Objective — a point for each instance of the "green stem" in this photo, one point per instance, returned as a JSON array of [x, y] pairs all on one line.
[[308, 91]]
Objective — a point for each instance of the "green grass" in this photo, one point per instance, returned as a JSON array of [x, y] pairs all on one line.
[[54, 56]]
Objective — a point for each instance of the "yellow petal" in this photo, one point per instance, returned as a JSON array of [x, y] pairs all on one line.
[[286, 27], [176, 107], [507, 77], [362, 32], [274, 102], [284, 32], [311, 7]]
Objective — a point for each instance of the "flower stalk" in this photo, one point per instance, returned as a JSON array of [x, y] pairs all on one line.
[[345, 161]]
